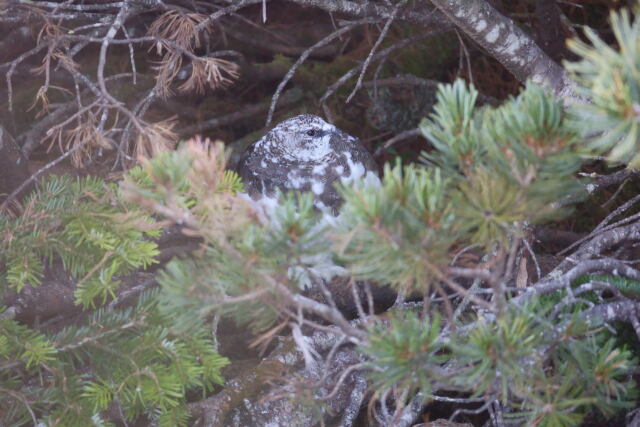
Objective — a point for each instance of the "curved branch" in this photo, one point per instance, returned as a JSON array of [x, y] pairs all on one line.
[[379, 10], [507, 43]]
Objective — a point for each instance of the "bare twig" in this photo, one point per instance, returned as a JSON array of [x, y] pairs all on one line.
[[402, 136], [382, 54], [326, 40], [39, 172], [289, 97], [603, 181], [12, 67], [375, 47], [225, 11], [602, 227]]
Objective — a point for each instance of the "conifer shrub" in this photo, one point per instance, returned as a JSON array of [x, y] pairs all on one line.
[[541, 354], [132, 356]]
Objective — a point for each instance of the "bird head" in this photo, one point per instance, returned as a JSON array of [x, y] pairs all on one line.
[[306, 138]]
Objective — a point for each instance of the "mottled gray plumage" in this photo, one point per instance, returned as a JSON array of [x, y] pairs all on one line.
[[308, 154]]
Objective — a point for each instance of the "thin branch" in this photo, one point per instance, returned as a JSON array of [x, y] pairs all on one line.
[[326, 40], [113, 29], [227, 10], [555, 282], [289, 97], [382, 54], [610, 236], [375, 47], [39, 172], [12, 67], [70, 6], [402, 136], [602, 227], [603, 181]]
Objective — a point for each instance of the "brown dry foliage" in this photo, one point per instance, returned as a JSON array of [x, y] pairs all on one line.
[[85, 139], [166, 71], [155, 138], [178, 27], [213, 73], [210, 72], [50, 34], [220, 212], [177, 36]]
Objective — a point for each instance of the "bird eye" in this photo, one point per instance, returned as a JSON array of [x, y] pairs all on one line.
[[311, 132]]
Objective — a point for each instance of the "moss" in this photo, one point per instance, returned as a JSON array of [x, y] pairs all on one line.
[[429, 58]]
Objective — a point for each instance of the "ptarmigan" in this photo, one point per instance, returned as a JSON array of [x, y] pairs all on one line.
[[308, 154]]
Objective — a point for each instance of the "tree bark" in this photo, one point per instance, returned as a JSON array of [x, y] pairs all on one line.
[[424, 17], [507, 43]]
